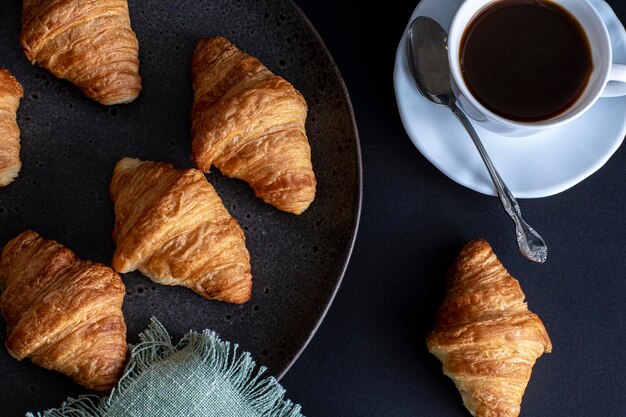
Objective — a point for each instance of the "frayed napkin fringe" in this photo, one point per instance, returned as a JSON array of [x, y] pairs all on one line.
[[265, 396]]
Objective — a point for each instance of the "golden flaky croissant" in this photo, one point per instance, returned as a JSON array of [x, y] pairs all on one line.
[[63, 313], [89, 43], [249, 123], [10, 94], [172, 226], [485, 336]]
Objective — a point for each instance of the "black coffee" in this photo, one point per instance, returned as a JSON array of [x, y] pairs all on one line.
[[525, 60]]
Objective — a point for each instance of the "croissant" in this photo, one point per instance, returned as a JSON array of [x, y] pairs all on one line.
[[10, 94], [63, 313], [485, 336], [89, 43], [172, 226], [249, 123]]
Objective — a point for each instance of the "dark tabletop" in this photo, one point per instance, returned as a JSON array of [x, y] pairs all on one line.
[[369, 357]]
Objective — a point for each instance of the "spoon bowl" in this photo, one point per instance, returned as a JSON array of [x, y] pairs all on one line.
[[429, 67]]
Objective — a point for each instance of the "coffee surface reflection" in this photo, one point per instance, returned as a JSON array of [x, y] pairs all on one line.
[[525, 60]]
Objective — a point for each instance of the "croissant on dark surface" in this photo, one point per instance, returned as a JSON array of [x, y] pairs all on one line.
[[250, 124], [89, 43], [171, 225], [485, 336], [10, 93], [62, 312]]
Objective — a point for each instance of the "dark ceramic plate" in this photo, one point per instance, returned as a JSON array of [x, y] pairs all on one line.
[[71, 144]]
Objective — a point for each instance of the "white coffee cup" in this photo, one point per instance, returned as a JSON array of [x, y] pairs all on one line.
[[607, 79]]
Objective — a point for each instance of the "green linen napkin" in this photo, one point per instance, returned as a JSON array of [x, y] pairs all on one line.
[[200, 376]]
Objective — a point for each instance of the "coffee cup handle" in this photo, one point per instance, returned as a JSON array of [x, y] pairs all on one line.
[[616, 86]]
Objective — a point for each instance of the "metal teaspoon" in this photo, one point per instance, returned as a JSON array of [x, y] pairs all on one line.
[[427, 54]]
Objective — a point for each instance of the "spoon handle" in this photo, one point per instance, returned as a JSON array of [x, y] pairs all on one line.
[[531, 245]]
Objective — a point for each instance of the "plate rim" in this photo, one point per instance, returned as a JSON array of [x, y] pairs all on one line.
[[359, 197]]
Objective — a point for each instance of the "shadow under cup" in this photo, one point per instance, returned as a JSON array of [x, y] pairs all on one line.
[[601, 55]]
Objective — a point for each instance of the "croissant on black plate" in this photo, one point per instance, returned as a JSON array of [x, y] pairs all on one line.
[[10, 93], [249, 123], [63, 313], [89, 43], [172, 226]]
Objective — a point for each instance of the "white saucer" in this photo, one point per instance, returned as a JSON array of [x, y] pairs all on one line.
[[536, 166]]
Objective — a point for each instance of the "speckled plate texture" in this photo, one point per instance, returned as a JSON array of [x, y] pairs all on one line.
[[70, 145]]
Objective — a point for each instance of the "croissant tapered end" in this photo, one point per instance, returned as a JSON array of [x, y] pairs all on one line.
[[250, 124], [10, 93], [172, 226], [63, 313], [485, 336], [89, 43]]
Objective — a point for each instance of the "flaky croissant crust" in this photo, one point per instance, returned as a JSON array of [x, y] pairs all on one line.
[[250, 124], [10, 93], [62, 312], [89, 43], [485, 336], [172, 226]]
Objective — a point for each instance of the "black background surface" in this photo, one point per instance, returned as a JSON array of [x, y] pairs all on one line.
[[369, 357]]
